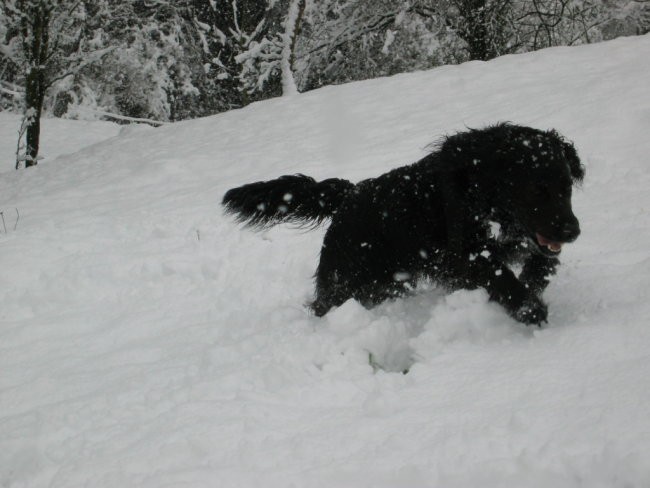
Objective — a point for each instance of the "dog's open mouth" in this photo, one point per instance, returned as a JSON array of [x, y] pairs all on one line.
[[553, 246]]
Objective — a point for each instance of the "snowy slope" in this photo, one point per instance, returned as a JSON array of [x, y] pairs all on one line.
[[59, 137], [147, 341]]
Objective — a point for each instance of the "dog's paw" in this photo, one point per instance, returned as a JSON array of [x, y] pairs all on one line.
[[532, 312]]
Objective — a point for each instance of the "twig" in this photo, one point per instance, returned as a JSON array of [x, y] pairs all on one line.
[[2, 214], [17, 219]]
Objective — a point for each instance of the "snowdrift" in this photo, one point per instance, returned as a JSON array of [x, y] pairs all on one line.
[[146, 340]]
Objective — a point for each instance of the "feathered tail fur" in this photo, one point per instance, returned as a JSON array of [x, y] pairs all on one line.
[[295, 199]]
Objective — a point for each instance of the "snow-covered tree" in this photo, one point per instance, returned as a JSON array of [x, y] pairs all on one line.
[[154, 64], [42, 43], [356, 39], [229, 28], [257, 41], [485, 26]]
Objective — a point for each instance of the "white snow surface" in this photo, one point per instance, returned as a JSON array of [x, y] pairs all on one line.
[[146, 340], [58, 137]]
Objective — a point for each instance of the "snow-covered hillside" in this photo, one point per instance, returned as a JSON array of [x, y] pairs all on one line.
[[58, 137], [147, 341]]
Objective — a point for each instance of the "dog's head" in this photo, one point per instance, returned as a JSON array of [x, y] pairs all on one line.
[[529, 175], [541, 191]]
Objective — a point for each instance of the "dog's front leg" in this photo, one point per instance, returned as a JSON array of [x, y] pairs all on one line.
[[536, 272], [503, 287]]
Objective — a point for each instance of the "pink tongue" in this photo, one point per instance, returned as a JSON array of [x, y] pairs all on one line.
[[552, 245]]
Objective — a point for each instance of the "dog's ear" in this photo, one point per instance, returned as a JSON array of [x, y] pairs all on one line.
[[575, 166], [570, 155], [451, 153]]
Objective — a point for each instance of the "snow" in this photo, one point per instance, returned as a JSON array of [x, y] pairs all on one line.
[[148, 341], [58, 137]]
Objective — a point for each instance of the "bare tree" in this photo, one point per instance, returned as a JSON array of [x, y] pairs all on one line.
[[545, 23]]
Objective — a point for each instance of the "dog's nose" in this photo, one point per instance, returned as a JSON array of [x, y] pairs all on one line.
[[570, 231]]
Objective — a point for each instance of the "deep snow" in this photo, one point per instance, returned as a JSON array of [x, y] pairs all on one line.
[[148, 341]]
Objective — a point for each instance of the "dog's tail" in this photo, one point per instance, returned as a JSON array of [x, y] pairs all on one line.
[[292, 198]]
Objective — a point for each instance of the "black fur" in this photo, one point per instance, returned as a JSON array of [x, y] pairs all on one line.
[[461, 216], [291, 198]]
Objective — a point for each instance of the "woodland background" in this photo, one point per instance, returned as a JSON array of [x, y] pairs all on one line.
[[169, 60]]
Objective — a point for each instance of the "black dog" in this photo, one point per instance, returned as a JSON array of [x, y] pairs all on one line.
[[484, 200]]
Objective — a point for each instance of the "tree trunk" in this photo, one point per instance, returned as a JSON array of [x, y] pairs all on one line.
[[36, 29], [34, 96], [482, 27], [294, 19]]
